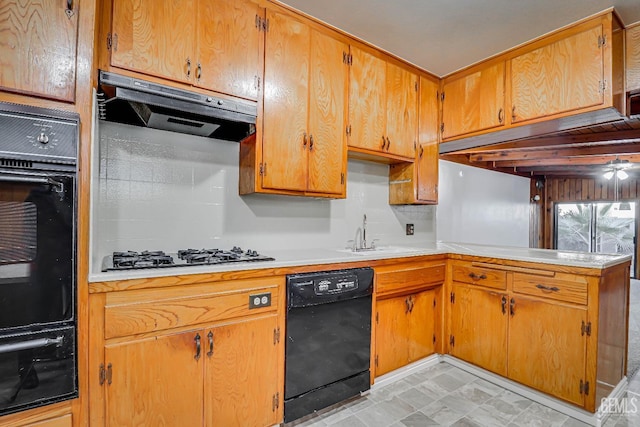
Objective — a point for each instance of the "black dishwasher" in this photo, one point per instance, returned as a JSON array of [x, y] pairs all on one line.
[[328, 346]]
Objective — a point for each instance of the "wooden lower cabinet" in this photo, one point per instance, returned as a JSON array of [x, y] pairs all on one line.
[[406, 329], [547, 347], [478, 331]]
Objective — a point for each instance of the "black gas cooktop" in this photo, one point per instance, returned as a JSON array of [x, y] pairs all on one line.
[[131, 260]]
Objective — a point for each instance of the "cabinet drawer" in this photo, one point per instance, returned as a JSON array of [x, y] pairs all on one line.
[[410, 277], [476, 275], [138, 312], [63, 421], [568, 288]]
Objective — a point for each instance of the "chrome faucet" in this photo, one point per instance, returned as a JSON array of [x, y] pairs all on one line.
[[363, 244], [360, 241]]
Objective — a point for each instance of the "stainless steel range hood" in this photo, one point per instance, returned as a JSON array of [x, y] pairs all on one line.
[[138, 102]]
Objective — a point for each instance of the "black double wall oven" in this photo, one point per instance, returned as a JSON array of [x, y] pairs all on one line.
[[38, 168]]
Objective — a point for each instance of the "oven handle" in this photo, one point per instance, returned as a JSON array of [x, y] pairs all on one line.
[[27, 345], [59, 186]]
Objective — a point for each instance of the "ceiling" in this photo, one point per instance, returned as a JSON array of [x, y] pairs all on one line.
[[442, 36]]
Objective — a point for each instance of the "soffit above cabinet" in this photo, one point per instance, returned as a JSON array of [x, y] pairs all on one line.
[[442, 36]]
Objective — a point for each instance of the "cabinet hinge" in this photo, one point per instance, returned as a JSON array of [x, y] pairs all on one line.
[[105, 374], [586, 328], [263, 169], [416, 86], [441, 127], [275, 404], [603, 85], [442, 97], [602, 41], [276, 335], [376, 360], [341, 178], [257, 83], [452, 297], [346, 58], [584, 388], [350, 59], [109, 41], [434, 302], [434, 338], [452, 341], [348, 130], [265, 25], [377, 317]]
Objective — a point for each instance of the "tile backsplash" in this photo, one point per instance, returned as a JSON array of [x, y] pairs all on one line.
[[162, 190]]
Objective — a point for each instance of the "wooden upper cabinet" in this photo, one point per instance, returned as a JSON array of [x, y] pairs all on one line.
[[560, 77], [155, 381], [285, 138], [327, 111], [427, 155], [547, 349], [303, 147], [633, 58], [215, 44], [38, 48], [474, 102], [229, 37], [155, 37], [367, 101], [402, 114]]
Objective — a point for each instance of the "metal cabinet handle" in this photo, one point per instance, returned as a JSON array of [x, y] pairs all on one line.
[[504, 304], [388, 143], [310, 142], [547, 288], [476, 277], [210, 337], [304, 140], [513, 114], [188, 68], [406, 302], [198, 71], [500, 116], [421, 151], [198, 347], [512, 307], [383, 142]]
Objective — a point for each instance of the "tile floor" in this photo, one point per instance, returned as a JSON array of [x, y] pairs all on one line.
[[444, 395]]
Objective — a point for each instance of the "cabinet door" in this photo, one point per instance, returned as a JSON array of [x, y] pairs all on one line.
[[155, 37], [241, 374], [229, 47], [285, 140], [38, 48], [474, 102], [479, 328], [367, 101], [547, 350], [393, 334], [401, 108], [422, 322], [428, 153], [155, 381], [560, 77], [327, 103]]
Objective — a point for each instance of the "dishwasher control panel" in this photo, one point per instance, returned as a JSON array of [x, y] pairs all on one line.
[[335, 285]]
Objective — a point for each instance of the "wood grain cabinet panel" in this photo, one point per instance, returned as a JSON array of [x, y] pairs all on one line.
[[303, 147], [402, 117], [567, 288], [38, 48], [562, 76], [229, 36], [547, 347], [633, 58], [479, 325], [155, 37], [474, 102]]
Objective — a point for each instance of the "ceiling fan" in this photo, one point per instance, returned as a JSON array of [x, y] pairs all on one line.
[[617, 168]]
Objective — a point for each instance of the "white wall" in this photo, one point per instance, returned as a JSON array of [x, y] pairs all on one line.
[[156, 190], [481, 206]]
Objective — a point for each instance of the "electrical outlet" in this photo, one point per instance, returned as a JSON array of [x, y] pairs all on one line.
[[259, 300], [409, 229]]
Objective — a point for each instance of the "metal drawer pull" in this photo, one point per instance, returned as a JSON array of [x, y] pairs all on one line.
[[547, 288], [210, 337], [198, 348], [512, 307], [27, 345], [476, 277], [504, 304]]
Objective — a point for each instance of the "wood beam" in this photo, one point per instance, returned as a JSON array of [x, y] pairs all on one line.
[[568, 161], [613, 149]]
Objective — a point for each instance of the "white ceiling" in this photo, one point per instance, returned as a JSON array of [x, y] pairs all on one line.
[[442, 36]]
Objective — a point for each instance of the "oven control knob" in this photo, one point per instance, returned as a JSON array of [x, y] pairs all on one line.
[[43, 138]]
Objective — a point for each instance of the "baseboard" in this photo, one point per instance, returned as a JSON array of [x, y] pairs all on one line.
[[596, 419], [405, 371]]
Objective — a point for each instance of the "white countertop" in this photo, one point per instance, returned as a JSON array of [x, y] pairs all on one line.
[[299, 257]]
